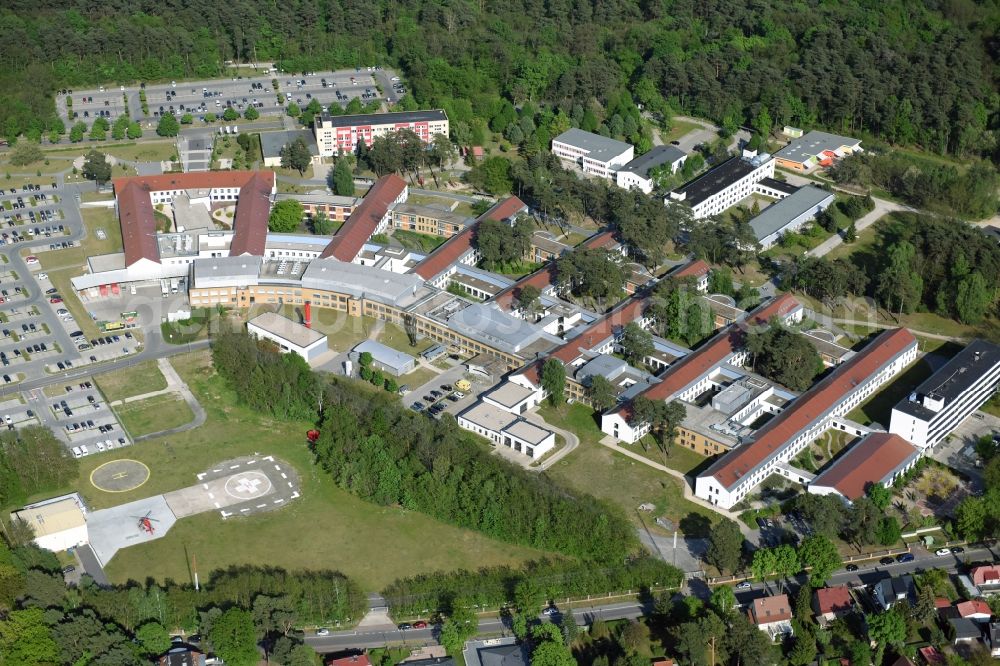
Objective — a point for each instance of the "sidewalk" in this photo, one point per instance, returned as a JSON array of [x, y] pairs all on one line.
[[609, 442]]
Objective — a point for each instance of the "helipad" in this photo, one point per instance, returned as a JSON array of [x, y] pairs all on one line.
[[119, 476]]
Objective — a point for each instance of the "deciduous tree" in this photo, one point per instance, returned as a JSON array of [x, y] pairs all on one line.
[[285, 216]]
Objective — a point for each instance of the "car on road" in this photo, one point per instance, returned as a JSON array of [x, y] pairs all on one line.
[[905, 557], [887, 560], [405, 626], [55, 300], [745, 585], [550, 611], [957, 549], [851, 567], [322, 631], [49, 292], [941, 552], [76, 334], [419, 624]]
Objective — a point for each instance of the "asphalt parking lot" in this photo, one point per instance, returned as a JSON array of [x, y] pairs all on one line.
[[199, 97], [81, 417]]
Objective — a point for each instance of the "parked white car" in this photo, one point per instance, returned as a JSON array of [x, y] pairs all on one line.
[[941, 552]]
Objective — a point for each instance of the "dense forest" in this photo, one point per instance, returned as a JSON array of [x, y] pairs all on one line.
[[907, 72]]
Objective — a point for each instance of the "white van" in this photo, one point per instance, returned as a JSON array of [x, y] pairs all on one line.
[[77, 452]]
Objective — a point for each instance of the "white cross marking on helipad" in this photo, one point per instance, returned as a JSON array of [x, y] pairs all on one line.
[[248, 486]]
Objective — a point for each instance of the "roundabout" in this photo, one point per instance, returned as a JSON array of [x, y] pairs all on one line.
[[119, 476]]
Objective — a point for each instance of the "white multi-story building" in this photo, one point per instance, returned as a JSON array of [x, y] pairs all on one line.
[[594, 154], [289, 336], [340, 135], [936, 407], [732, 477], [635, 175], [726, 185]]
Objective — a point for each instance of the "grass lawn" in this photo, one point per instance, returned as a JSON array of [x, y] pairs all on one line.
[[417, 242], [595, 469], [154, 414], [395, 337], [147, 151], [328, 527], [60, 280], [678, 128], [679, 458], [93, 219], [141, 378], [993, 406], [878, 408], [189, 330], [418, 377]]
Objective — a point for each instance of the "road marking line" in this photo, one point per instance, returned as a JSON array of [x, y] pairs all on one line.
[[284, 476], [244, 510], [277, 467], [290, 485], [205, 486], [217, 505], [261, 506], [201, 476], [252, 462], [233, 466], [295, 495], [269, 458], [211, 496], [217, 470], [278, 501]]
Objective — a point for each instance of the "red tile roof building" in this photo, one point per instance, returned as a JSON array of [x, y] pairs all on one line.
[[135, 202], [697, 269], [738, 472], [878, 458], [833, 601], [368, 219], [975, 609], [986, 576], [459, 245]]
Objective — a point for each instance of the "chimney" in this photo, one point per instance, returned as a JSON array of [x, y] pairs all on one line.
[[308, 315]]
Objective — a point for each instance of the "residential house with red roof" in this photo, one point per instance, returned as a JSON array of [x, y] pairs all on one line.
[[733, 476], [987, 578], [772, 615], [976, 610], [830, 603]]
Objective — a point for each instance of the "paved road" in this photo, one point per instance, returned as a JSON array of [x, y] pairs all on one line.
[[882, 207], [369, 637], [376, 636]]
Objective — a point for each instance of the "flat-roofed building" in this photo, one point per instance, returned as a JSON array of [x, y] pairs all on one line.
[[725, 185], [385, 358], [340, 135], [949, 396], [272, 143], [59, 523], [877, 458], [789, 214], [432, 220], [289, 336], [506, 429], [594, 154], [636, 174], [816, 149], [337, 208]]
